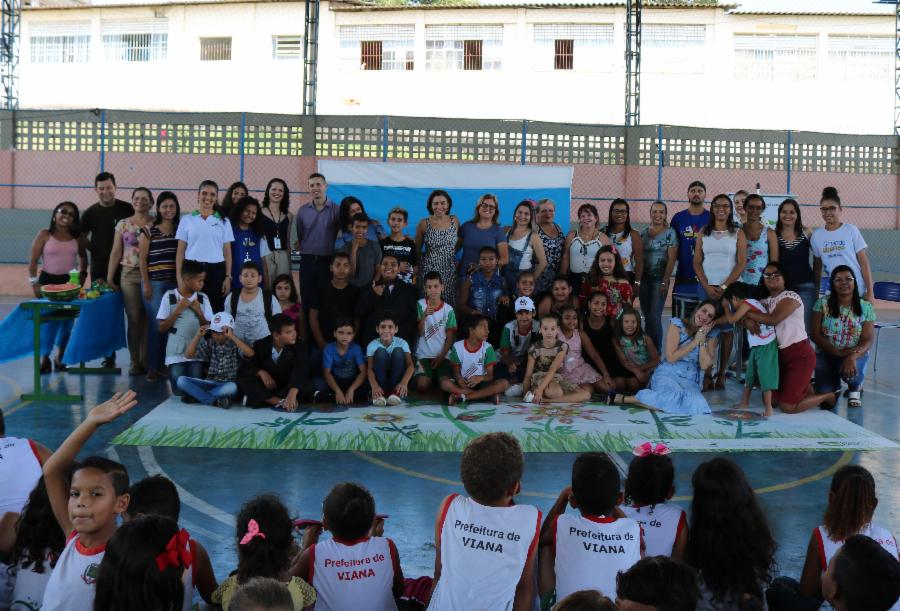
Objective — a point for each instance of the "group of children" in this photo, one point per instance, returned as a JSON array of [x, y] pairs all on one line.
[[65, 550]]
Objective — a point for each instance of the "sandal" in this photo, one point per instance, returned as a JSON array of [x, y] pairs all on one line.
[[854, 399], [46, 366]]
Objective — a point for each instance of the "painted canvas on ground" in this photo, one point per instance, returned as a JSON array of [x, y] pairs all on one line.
[[428, 427]]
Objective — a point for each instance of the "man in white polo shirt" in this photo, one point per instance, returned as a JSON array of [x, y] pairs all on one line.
[[205, 236]]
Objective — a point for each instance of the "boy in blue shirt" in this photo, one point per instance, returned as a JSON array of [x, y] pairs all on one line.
[[390, 363], [343, 366]]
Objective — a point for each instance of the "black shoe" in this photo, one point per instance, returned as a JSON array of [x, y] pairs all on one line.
[[223, 402], [109, 362]]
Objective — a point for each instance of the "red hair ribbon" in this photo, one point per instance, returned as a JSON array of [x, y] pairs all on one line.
[[252, 532], [648, 449], [177, 552]]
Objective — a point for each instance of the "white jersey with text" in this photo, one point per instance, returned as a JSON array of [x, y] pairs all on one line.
[[20, 470], [661, 524], [483, 553], [591, 550], [71, 586], [345, 573]]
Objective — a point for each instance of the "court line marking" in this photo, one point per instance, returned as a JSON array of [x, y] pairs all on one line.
[[15, 398], [148, 460], [194, 529], [845, 458]]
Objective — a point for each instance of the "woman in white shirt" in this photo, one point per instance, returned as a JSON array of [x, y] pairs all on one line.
[[839, 243], [581, 246]]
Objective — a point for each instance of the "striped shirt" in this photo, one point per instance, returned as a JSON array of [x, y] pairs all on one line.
[[161, 256]]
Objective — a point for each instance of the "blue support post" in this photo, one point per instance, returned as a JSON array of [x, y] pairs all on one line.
[[524, 141], [384, 138], [243, 132], [103, 140], [789, 160], [659, 165]]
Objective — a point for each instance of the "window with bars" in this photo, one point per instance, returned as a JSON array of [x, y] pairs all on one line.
[[215, 49], [287, 46], [135, 41], [572, 46], [775, 57], [463, 47], [378, 47], [672, 36], [861, 58], [60, 43]]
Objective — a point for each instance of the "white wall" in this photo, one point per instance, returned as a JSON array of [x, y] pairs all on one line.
[[697, 89]]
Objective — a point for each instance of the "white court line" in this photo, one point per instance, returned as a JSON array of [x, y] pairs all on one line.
[[194, 529], [148, 460]]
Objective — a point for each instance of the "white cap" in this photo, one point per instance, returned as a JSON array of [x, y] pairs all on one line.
[[524, 303], [220, 321]]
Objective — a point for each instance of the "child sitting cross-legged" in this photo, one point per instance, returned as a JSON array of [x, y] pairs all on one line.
[[344, 368], [390, 363], [473, 360], [485, 542], [157, 495], [515, 339], [585, 552], [542, 380], [265, 541], [356, 564], [636, 351], [86, 498], [222, 349]]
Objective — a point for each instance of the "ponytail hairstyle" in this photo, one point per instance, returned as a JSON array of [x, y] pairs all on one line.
[[264, 537], [38, 535], [830, 194], [834, 307], [618, 270], [349, 511], [851, 502], [650, 480], [130, 577]]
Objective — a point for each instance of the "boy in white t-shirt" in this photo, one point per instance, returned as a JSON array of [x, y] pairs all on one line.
[[437, 328], [473, 360], [762, 366], [390, 365], [485, 543], [586, 552], [253, 306], [515, 338], [86, 508]]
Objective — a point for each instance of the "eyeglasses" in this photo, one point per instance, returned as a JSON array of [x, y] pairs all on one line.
[[65, 212], [828, 208], [772, 275], [489, 206]]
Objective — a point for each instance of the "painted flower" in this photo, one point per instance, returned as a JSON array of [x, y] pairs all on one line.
[[565, 414], [383, 418]]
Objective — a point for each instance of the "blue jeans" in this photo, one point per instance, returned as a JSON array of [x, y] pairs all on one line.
[[191, 369], [156, 341], [828, 372], [388, 368], [652, 302], [206, 391], [808, 295]]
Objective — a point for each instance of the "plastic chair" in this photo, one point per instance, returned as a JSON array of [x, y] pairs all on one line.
[[886, 291]]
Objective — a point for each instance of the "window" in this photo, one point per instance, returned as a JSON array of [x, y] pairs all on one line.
[[215, 49], [774, 57], [135, 41], [672, 36], [463, 47], [573, 46], [287, 46], [60, 43], [859, 58], [378, 47]]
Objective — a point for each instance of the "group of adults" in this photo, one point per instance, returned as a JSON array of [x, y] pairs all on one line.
[[707, 249]]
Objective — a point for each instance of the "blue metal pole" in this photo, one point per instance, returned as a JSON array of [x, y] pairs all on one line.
[[659, 165], [524, 140], [789, 160], [384, 138], [103, 140], [243, 131]]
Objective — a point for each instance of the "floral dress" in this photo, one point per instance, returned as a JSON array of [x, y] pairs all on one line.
[[553, 249], [543, 360], [575, 369], [757, 257], [635, 350], [618, 295], [439, 256], [131, 254]]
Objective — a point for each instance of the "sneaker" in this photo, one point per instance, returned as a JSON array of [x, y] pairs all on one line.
[[379, 402], [529, 397], [394, 400], [513, 391], [318, 396], [223, 402]]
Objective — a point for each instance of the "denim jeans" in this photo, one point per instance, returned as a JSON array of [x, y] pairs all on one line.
[[206, 391], [808, 295], [652, 302], [191, 369], [156, 341], [828, 372], [388, 368]]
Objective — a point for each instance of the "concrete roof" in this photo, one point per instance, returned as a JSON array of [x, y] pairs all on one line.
[[812, 7]]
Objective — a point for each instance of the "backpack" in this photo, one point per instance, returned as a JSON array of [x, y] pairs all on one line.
[[173, 298], [267, 303]]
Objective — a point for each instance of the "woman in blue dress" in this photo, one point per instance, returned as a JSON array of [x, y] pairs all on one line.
[[690, 348]]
